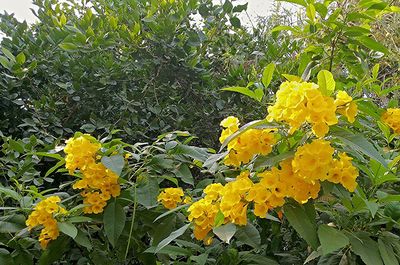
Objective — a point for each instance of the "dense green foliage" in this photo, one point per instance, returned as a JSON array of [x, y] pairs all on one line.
[[132, 72]]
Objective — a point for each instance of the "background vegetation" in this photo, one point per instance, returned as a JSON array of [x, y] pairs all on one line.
[[133, 71]]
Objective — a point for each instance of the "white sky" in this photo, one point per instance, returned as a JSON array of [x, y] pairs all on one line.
[[21, 8]]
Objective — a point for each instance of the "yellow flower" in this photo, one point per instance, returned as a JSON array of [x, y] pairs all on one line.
[[170, 197], [300, 102], [342, 171], [43, 214], [346, 106], [80, 152], [391, 117]]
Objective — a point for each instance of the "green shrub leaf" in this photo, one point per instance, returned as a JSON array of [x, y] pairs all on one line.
[[114, 222], [331, 239]]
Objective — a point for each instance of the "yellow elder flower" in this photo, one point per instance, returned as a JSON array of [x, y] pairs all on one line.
[[391, 117], [312, 161], [202, 213], [80, 151], [170, 197], [300, 102], [43, 214], [343, 172], [346, 106]]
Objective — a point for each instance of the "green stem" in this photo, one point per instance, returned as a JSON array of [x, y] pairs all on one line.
[[132, 222]]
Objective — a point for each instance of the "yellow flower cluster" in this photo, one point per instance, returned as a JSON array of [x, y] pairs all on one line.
[[298, 178], [391, 117], [44, 214], [314, 162], [98, 182], [250, 143], [170, 197], [277, 184], [300, 102], [342, 171]]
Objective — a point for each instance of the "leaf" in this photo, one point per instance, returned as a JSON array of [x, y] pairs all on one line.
[[114, 222], [292, 77], [281, 28], [298, 2], [82, 239], [366, 248], [310, 12], [255, 259], [267, 74], [235, 22], [68, 229], [170, 211], [12, 223], [219, 219], [387, 254], [68, 46], [375, 71], [326, 82], [8, 54], [55, 167], [302, 223], [20, 58], [242, 90], [4, 62], [184, 174], [114, 163], [359, 143], [16, 146], [147, 194], [174, 235], [170, 250], [266, 161], [225, 232], [200, 259], [240, 8], [11, 193], [372, 44], [88, 128], [249, 235], [54, 251], [331, 239]]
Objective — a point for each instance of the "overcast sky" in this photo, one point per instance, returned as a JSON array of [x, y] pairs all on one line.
[[21, 8]]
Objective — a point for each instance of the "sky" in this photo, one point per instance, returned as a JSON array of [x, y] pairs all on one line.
[[21, 8]]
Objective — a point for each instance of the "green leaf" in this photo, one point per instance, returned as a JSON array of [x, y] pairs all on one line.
[[375, 71], [68, 46], [16, 146], [54, 251], [302, 222], [170, 250], [114, 163], [5, 62], [359, 143], [55, 167], [326, 82], [298, 2], [267, 74], [292, 77], [170, 211], [249, 235], [83, 240], [11, 193], [225, 232], [242, 90], [114, 222], [256, 259], [9, 55], [200, 259], [387, 254], [372, 44], [174, 235], [184, 174], [331, 239], [240, 8], [266, 161], [219, 219], [20, 58], [147, 194], [366, 248], [12, 223], [310, 12], [88, 128], [68, 229], [235, 22]]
